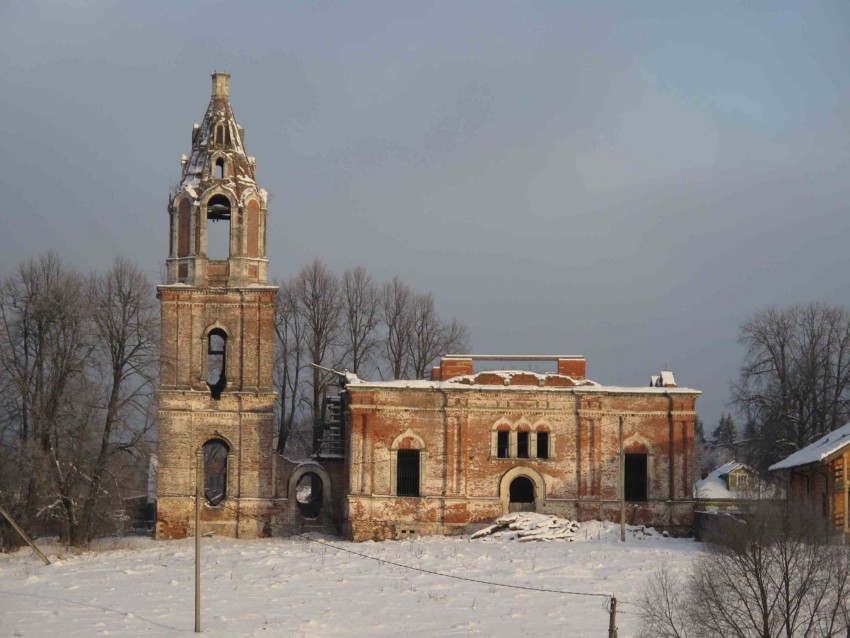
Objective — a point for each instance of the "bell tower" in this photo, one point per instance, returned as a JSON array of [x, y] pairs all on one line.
[[216, 397]]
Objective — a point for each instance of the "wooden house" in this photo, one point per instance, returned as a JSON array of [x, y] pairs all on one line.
[[819, 474]]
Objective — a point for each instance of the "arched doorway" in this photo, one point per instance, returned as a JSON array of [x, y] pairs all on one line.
[[309, 494], [521, 495]]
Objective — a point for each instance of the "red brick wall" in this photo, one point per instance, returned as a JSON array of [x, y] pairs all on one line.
[[575, 368], [462, 480]]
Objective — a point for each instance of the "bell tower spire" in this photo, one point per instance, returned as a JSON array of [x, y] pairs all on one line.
[[217, 212], [216, 396]]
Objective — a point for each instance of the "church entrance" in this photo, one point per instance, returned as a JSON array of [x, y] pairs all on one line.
[[522, 495]]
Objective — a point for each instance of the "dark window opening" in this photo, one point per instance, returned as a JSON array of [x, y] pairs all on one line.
[[219, 168], [636, 477], [522, 445], [542, 445], [219, 131], [218, 235], [309, 494], [215, 471], [227, 135], [503, 444], [216, 362], [407, 473], [521, 495]]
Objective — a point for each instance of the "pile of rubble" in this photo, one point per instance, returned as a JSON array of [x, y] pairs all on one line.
[[528, 526]]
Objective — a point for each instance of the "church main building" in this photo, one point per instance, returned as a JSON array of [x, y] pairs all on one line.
[[395, 458]]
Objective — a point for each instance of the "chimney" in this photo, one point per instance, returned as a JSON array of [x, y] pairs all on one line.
[[575, 367], [220, 84]]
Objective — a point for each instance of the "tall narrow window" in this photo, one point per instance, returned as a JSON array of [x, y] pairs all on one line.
[[219, 168], [218, 227], [215, 471], [216, 362], [253, 209], [542, 445], [503, 444], [522, 445], [219, 134], [636, 477], [407, 473], [183, 223]]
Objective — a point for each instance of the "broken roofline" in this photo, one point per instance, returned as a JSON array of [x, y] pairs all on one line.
[[514, 357], [453, 384]]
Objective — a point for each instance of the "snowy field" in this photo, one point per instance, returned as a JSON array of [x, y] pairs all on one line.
[[297, 587]]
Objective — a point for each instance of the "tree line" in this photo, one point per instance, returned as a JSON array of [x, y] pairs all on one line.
[[79, 363], [78, 371], [350, 322], [793, 386]]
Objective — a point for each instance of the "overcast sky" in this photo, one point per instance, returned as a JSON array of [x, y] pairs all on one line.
[[624, 180]]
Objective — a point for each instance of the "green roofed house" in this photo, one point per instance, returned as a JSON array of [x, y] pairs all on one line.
[[727, 486]]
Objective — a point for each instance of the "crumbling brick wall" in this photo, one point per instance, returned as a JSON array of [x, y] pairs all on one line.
[[463, 481]]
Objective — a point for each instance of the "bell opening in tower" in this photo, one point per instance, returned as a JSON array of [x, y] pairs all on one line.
[[218, 228]]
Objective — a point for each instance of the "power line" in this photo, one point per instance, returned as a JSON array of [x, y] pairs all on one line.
[[289, 529]]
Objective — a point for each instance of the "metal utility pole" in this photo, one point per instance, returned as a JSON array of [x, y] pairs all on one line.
[[199, 485], [612, 620], [23, 535], [622, 486]]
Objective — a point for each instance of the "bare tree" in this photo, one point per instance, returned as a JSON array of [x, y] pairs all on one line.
[[361, 304], [430, 336], [126, 331], [780, 573], [664, 605], [794, 386], [44, 349], [78, 357], [318, 292], [290, 363], [349, 322], [397, 321]]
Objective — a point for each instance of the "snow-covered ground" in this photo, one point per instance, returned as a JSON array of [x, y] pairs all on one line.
[[297, 587]]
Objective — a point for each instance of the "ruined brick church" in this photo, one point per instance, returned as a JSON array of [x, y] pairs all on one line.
[[391, 459]]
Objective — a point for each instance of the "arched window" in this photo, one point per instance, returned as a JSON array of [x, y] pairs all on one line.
[[522, 440], [542, 443], [636, 477], [503, 442], [218, 235], [407, 473], [219, 134], [215, 471], [216, 362], [219, 168], [183, 228], [638, 467], [253, 209], [407, 458]]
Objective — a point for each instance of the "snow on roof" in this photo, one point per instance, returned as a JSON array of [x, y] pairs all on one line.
[[467, 383], [816, 452], [507, 375], [714, 485]]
